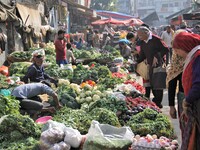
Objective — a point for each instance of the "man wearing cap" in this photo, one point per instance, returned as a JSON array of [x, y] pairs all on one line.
[[36, 72], [60, 46]]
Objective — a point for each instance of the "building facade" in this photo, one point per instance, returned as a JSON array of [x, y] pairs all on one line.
[[142, 8], [126, 6], [163, 8]]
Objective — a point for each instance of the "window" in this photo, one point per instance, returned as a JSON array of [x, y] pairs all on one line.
[[164, 5], [176, 4]]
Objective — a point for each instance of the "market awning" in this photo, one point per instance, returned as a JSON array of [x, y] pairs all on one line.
[[191, 16], [108, 21], [183, 11], [80, 8], [151, 17], [133, 22], [177, 20], [115, 15], [29, 14]]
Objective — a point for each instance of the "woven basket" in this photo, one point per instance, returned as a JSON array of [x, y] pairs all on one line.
[[13, 59]]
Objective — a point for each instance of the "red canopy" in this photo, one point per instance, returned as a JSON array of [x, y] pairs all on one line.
[[108, 20], [129, 22], [133, 22]]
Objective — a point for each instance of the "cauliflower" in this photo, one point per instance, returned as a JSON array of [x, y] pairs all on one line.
[[87, 87], [82, 95], [76, 87], [88, 99], [81, 100], [96, 97], [63, 82], [97, 92], [88, 93], [107, 93]]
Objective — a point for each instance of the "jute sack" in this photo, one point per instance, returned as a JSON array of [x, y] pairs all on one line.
[[143, 70]]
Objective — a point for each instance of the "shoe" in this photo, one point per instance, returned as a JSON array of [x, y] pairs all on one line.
[[160, 106]]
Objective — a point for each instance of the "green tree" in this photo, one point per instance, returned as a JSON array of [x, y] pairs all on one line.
[[103, 5]]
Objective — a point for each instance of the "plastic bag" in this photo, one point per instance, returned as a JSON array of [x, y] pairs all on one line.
[[5, 92], [50, 137], [127, 88], [60, 146], [4, 70], [119, 95], [107, 137], [72, 137], [52, 124]]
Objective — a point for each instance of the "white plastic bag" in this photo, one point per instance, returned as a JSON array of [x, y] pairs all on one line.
[[52, 124], [119, 95], [50, 137], [72, 137], [60, 146], [107, 137]]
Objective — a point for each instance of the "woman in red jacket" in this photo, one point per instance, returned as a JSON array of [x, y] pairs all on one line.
[[187, 45]]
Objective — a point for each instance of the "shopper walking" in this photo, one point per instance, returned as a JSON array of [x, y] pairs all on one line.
[[153, 49], [167, 38]]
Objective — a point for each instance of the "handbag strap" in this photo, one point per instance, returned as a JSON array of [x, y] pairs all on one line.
[[160, 61]]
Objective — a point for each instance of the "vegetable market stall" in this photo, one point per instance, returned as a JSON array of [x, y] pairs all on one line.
[[87, 92]]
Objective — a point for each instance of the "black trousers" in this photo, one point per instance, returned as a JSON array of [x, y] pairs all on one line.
[[169, 56], [158, 95], [31, 105], [172, 89]]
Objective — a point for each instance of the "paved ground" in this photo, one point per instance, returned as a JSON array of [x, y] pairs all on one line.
[[165, 110]]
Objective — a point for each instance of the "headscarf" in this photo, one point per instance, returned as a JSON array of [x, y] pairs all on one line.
[[177, 62], [186, 41]]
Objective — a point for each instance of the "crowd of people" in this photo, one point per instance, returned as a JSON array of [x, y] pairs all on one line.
[[178, 49]]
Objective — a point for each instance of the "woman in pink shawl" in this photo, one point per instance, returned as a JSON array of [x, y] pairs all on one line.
[[187, 45]]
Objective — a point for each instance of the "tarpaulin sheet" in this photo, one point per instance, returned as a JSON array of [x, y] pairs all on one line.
[[6, 12], [29, 15]]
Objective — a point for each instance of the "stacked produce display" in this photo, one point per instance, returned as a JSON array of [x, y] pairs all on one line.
[[88, 91]]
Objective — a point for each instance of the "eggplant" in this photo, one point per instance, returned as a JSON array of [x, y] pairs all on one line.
[[140, 109], [128, 112], [134, 112]]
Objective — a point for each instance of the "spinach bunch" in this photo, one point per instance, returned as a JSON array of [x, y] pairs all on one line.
[[17, 126], [8, 105]]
